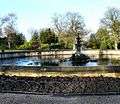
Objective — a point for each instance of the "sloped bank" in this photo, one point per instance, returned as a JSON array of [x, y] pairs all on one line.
[[60, 85]]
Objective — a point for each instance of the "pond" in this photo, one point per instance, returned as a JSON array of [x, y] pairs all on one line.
[[37, 61]]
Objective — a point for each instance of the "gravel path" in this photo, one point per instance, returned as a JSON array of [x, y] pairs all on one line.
[[8, 98]]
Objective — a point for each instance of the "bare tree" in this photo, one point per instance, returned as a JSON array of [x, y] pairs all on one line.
[[9, 29], [112, 22], [10, 33], [69, 26], [70, 23], [58, 24], [76, 24]]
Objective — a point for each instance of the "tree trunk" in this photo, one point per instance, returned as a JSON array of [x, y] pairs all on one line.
[[116, 45], [9, 45]]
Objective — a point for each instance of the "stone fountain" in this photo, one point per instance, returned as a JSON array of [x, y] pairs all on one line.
[[79, 58]]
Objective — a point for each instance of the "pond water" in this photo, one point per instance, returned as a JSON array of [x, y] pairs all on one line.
[[36, 61]]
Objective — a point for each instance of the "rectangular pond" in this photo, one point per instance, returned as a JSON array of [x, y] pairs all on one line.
[[37, 61]]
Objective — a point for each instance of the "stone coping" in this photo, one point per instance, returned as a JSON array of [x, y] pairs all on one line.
[[62, 94], [62, 69], [53, 71]]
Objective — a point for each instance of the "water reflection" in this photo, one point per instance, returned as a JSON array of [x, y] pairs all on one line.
[[92, 64], [36, 61]]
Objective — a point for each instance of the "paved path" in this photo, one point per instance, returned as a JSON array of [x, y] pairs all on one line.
[[7, 98]]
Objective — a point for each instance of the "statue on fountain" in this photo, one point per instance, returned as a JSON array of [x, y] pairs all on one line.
[[79, 58]]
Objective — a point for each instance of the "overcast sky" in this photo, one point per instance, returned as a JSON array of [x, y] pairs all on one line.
[[38, 13]]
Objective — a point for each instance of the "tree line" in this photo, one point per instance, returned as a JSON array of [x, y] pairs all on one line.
[[63, 33], [108, 34]]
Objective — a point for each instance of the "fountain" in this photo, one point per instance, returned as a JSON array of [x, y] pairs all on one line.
[[79, 58]]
